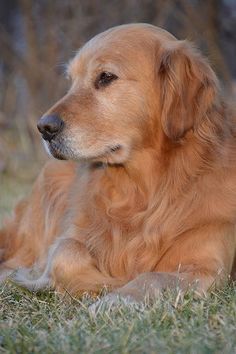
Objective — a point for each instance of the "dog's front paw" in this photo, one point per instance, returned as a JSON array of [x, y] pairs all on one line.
[[25, 277], [111, 302]]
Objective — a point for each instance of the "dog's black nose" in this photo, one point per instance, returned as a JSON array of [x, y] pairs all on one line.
[[49, 126]]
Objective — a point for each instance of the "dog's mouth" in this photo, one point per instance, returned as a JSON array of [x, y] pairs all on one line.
[[54, 150], [61, 152]]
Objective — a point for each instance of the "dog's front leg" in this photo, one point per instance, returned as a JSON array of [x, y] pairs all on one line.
[[147, 287], [73, 269], [69, 268]]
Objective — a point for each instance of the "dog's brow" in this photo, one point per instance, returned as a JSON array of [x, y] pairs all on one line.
[[73, 66], [71, 69]]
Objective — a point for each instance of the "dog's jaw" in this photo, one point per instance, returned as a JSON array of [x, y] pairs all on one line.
[[52, 152], [115, 154]]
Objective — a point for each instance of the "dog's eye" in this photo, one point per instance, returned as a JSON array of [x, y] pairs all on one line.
[[104, 79]]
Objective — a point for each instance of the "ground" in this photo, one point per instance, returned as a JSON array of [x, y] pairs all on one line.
[[47, 322]]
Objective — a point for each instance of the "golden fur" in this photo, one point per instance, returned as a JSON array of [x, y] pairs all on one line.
[[158, 211]]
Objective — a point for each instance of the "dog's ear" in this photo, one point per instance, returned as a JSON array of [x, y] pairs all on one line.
[[188, 88]]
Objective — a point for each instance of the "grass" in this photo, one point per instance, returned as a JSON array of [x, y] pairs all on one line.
[[47, 322]]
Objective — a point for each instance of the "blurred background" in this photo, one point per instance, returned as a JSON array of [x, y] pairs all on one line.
[[37, 38]]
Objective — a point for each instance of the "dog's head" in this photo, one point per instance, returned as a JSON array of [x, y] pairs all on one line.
[[131, 85]]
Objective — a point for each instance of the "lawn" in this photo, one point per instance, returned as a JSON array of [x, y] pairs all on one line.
[[47, 322]]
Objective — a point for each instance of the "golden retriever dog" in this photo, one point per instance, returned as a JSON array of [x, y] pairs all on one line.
[[147, 200]]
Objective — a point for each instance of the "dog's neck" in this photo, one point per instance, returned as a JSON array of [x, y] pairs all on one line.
[[152, 176]]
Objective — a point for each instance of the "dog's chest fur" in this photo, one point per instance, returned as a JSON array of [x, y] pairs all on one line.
[[122, 221]]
